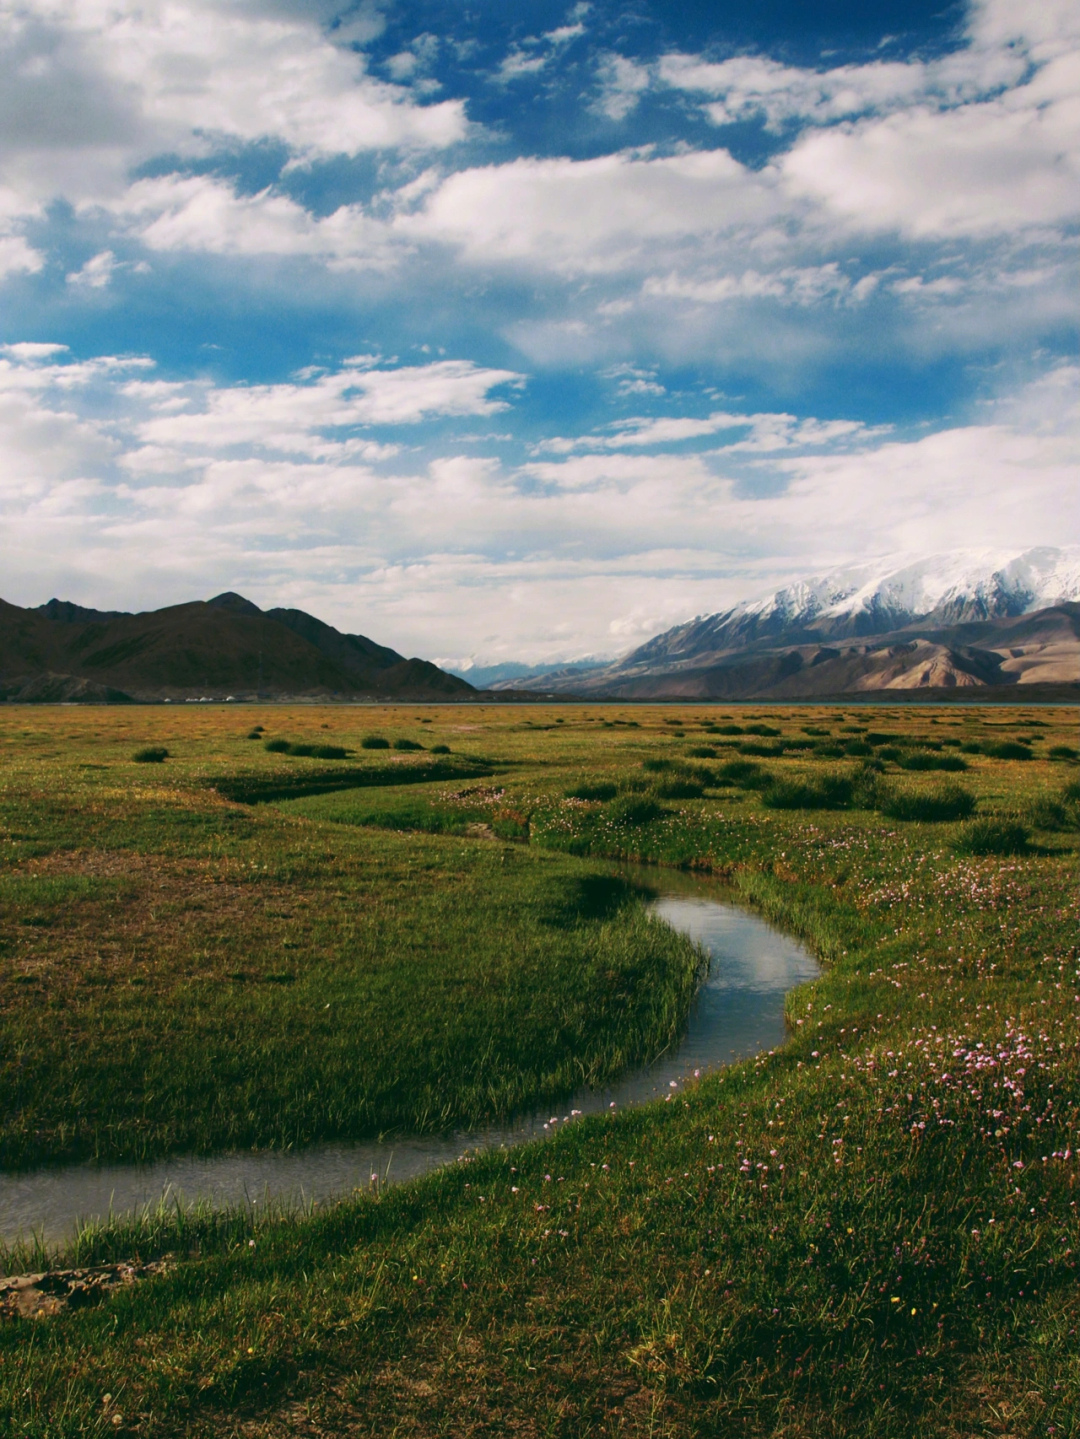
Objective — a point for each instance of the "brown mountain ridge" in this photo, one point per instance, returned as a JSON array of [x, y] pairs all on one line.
[[1027, 653], [215, 649]]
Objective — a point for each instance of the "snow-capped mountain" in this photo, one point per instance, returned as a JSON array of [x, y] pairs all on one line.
[[962, 618], [882, 596]]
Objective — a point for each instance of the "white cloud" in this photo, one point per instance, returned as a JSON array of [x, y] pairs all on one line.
[[750, 85], [630, 379], [17, 257], [563, 34], [295, 418], [764, 432], [622, 84], [27, 351], [520, 62], [91, 89], [202, 214], [994, 168], [984, 140], [581, 216], [799, 285], [96, 273]]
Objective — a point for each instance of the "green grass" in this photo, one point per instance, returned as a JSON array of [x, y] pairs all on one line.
[[871, 1232], [314, 987]]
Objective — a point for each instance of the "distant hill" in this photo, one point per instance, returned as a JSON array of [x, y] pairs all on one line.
[[509, 675], [962, 619], [209, 649]]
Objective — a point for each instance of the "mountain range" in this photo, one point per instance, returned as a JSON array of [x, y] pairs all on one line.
[[959, 619], [215, 649]]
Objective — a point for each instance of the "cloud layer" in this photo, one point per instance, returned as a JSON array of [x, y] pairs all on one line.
[[518, 344], [322, 491]]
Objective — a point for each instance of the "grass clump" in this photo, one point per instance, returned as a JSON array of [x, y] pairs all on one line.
[[927, 759], [678, 787], [744, 774], [602, 790], [407, 744], [306, 750], [945, 803], [151, 754], [374, 741], [828, 792], [1007, 749], [1048, 812], [702, 751], [631, 810], [440, 749], [1064, 752], [989, 835]]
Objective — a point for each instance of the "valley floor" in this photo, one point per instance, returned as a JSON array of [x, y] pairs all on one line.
[[871, 1231]]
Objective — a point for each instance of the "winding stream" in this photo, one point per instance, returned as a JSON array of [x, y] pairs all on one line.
[[738, 1011]]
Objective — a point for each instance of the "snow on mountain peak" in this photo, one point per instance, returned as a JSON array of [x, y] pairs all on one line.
[[953, 587], [914, 585]]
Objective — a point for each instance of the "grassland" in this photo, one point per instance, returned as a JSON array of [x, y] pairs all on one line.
[[872, 1231]]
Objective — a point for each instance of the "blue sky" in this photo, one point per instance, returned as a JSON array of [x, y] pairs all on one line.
[[521, 333]]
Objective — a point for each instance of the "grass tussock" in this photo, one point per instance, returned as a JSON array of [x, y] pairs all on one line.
[[927, 760], [993, 836], [306, 750], [941, 805], [828, 792]]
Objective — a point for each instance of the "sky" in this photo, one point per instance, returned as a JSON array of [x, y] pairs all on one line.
[[523, 332]]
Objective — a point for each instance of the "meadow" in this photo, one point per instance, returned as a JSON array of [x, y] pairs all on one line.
[[872, 1230]]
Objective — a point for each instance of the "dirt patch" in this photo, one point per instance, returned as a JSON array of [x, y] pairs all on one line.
[[40, 1296]]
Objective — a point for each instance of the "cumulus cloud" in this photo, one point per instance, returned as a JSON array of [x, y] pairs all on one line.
[[17, 255], [309, 415], [581, 216], [199, 213], [981, 142], [995, 168], [90, 90]]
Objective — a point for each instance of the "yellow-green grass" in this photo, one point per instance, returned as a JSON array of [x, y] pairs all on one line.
[[872, 1231]]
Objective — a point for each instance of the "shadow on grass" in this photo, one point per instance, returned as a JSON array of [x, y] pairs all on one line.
[[277, 785]]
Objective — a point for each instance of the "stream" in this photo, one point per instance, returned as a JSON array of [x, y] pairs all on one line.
[[738, 1011]]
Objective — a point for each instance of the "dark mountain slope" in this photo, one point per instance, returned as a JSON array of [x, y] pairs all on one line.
[[353, 653], [224, 646]]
